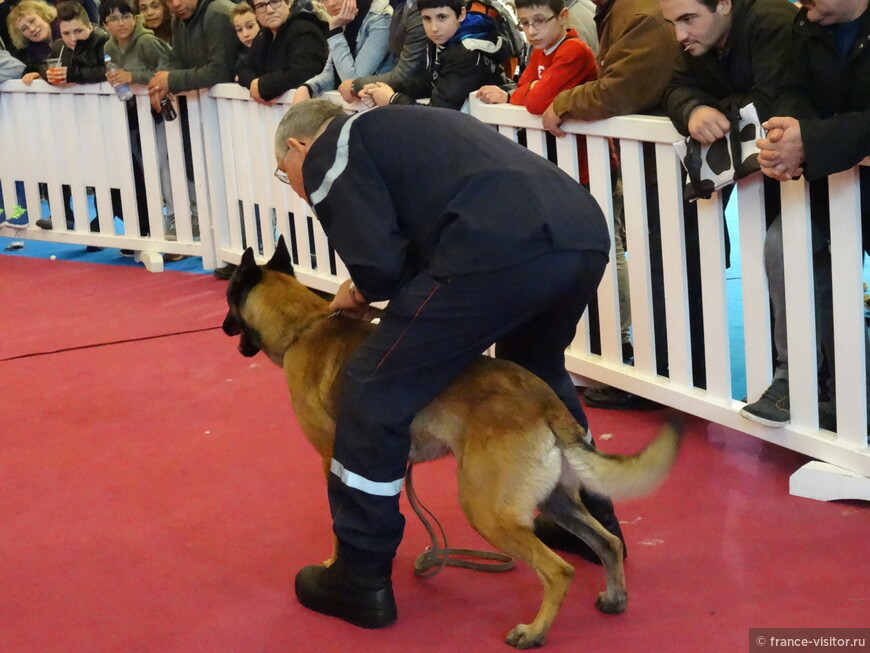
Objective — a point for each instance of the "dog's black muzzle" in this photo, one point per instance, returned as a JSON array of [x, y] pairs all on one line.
[[231, 325]]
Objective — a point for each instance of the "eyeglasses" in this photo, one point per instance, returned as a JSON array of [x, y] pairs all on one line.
[[111, 20], [280, 175], [538, 23], [260, 7]]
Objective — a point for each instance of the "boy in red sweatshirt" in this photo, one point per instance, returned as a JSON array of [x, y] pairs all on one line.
[[560, 60]]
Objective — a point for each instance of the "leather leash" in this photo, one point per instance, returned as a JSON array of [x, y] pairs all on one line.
[[437, 556]]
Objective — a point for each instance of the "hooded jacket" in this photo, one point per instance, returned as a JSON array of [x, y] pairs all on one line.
[[287, 59], [407, 45], [470, 59], [204, 47], [144, 55], [370, 56]]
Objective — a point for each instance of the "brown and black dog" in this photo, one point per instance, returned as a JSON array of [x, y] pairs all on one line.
[[517, 447]]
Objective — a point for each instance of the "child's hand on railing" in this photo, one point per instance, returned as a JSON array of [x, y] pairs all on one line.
[[120, 76], [492, 95]]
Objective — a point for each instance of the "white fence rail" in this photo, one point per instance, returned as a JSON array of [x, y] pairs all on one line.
[[78, 136]]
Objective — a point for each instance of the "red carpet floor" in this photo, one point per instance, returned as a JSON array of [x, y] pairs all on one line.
[[157, 496]]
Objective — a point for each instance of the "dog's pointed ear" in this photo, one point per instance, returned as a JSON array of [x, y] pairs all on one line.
[[281, 260], [248, 272]]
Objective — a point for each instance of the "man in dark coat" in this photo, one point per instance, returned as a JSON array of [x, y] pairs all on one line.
[[474, 240], [824, 108], [734, 53], [204, 48], [822, 126]]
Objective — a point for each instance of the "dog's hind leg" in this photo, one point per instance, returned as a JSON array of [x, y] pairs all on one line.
[[500, 515], [565, 508]]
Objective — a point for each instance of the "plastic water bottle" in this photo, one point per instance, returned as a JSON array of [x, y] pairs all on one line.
[[121, 90]]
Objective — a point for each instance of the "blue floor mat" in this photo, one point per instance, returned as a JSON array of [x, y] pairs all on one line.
[[66, 252]]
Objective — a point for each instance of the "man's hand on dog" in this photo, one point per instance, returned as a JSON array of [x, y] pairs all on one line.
[[348, 298]]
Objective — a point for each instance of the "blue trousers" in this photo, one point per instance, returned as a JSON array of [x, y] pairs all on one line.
[[430, 332]]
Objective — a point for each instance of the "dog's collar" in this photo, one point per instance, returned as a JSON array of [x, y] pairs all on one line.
[[308, 326]]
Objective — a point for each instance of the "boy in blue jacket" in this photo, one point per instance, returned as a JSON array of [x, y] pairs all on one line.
[[464, 53]]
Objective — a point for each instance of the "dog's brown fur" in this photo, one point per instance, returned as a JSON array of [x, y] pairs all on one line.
[[517, 447]]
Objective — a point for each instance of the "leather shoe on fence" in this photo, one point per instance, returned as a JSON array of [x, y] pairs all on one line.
[[361, 594], [610, 398]]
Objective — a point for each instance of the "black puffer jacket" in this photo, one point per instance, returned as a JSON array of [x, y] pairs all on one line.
[[85, 64], [470, 59], [289, 58]]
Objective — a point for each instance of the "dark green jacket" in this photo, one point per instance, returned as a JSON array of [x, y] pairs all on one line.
[[144, 55], [204, 47]]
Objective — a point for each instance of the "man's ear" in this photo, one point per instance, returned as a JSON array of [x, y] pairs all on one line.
[[724, 7], [462, 15], [299, 147]]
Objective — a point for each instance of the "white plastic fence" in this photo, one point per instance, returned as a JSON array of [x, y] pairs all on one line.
[[78, 136]]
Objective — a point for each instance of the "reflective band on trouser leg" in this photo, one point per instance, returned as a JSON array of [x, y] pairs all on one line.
[[361, 483]]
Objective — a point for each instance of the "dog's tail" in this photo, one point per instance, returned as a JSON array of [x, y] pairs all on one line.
[[619, 476]]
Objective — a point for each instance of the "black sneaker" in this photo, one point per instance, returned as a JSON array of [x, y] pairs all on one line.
[[226, 272], [359, 594], [772, 409], [615, 399]]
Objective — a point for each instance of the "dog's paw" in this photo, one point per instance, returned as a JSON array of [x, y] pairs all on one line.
[[523, 637], [611, 604]]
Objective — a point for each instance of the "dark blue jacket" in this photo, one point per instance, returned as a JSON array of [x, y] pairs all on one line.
[[472, 58], [404, 190]]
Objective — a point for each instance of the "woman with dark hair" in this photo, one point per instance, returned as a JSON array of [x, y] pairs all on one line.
[[156, 17], [290, 48], [359, 31]]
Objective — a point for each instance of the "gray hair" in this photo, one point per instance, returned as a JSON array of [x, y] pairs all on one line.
[[303, 120]]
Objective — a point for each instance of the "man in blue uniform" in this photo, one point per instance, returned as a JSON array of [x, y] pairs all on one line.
[[473, 240]]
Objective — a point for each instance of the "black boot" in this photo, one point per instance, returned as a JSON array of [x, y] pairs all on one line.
[[361, 594], [556, 537]]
